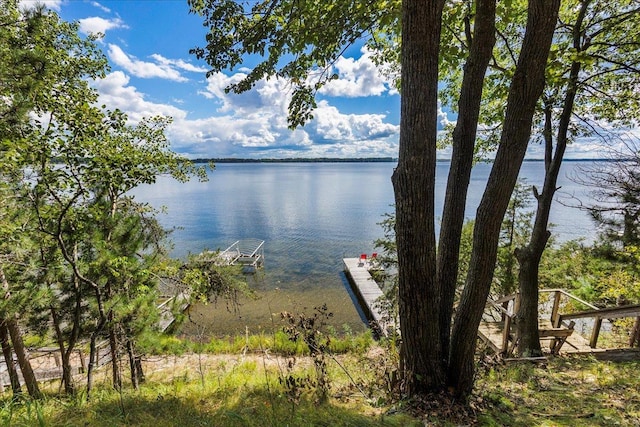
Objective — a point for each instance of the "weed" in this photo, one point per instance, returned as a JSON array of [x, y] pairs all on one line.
[[310, 330]]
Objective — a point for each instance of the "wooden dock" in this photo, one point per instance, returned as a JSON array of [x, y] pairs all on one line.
[[367, 291]]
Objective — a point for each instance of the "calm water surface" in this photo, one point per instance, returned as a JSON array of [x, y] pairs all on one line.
[[310, 215]]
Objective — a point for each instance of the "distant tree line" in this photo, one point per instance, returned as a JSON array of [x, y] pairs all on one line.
[[299, 160]]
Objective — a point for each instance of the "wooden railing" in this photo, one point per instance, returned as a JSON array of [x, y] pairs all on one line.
[[607, 313], [562, 325]]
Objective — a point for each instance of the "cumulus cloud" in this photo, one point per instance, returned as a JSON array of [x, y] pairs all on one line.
[[252, 124], [357, 78], [115, 92], [255, 122], [443, 118], [268, 96], [143, 69], [331, 125], [96, 25], [231, 136]]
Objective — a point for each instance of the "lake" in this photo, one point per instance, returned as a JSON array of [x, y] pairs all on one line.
[[311, 216]]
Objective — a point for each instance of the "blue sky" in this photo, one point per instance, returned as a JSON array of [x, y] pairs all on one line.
[[147, 44]]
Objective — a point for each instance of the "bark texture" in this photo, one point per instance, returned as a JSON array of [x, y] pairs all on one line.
[[464, 137], [18, 345], [526, 88], [23, 359], [7, 352], [424, 362]]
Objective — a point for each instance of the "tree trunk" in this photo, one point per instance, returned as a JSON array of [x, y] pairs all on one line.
[[526, 320], [464, 137], [115, 358], [93, 360], [23, 359], [414, 184], [526, 88], [67, 377], [93, 353], [135, 366], [139, 370], [7, 351], [65, 353], [529, 257], [18, 346], [634, 337]]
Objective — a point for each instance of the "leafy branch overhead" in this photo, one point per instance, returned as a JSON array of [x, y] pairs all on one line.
[[298, 41]]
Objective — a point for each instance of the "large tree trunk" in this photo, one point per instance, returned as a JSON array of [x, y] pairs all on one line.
[[423, 361], [464, 137], [7, 352], [529, 257], [526, 88]]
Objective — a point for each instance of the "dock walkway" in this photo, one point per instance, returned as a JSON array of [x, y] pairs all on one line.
[[367, 291]]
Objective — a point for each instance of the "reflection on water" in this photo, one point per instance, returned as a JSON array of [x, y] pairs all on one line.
[[310, 215]]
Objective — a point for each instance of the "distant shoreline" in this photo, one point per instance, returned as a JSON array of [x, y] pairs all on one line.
[[301, 160], [355, 160]]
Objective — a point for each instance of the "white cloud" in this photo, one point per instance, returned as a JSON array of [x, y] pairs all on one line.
[[443, 117], [331, 125], [96, 24], [115, 92], [232, 136], [254, 124], [256, 120], [178, 63], [268, 96], [357, 78], [143, 69], [101, 6]]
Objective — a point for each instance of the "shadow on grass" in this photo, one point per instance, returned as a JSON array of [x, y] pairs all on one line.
[[562, 392], [252, 408]]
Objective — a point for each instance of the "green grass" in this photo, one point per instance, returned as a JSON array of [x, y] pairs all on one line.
[[576, 391], [223, 391], [246, 390], [277, 342]]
